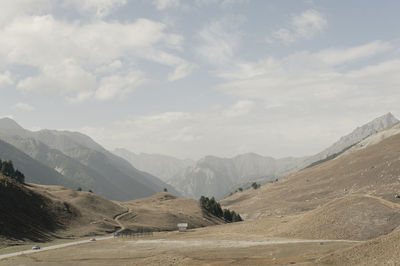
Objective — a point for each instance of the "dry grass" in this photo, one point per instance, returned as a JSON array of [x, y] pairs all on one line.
[[197, 247], [163, 211], [356, 217], [381, 251], [323, 197]]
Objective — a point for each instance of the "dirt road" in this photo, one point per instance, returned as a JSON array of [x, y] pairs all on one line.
[[29, 251]]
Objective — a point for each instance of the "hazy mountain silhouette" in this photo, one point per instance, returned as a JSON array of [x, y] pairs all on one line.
[[82, 162]]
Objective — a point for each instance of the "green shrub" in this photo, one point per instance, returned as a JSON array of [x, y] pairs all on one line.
[[7, 169], [213, 207]]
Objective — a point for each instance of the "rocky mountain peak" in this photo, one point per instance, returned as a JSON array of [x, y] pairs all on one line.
[[10, 127]]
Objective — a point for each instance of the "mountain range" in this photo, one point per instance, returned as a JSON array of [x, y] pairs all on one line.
[[162, 166], [354, 196], [74, 160], [218, 177]]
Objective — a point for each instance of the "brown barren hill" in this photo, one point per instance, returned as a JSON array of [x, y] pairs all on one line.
[[32, 212], [28, 216], [95, 214], [374, 170], [355, 217], [163, 211], [380, 251]]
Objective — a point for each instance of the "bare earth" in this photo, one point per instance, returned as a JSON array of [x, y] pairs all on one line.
[[202, 246]]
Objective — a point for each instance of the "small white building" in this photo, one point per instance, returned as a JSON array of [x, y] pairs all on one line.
[[182, 227]]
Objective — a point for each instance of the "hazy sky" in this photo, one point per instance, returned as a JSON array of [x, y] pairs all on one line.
[[195, 77]]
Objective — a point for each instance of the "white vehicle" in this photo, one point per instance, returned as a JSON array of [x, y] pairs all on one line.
[[35, 247], [93, 239]]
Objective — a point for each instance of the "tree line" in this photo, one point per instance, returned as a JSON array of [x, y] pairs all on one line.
[[213, 207], [7, 169]]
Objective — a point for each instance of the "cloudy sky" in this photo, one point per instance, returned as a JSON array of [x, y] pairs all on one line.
[[195, 77]]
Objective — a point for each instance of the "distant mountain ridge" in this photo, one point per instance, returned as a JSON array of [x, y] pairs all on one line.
[[213, 176], [82, 162], [35, 170], [354, 137], [162, 166]]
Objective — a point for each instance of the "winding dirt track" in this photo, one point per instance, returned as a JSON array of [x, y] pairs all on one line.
[[118, 216]]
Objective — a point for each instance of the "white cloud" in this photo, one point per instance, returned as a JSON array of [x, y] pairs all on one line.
[[66, 79], [86, 52], [303, 26], [24, 106], [338, 56], [112, 67], [117, 86], [307, 82], [100, 8], [219, 40], [240, 108], [10, 10], [291, 106], [181, 71], [309, 23], [222, 3], [6, 79], [304, 61], [39, 40], [164, 4]]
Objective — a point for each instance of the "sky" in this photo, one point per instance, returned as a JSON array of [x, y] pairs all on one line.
[[190, 78]]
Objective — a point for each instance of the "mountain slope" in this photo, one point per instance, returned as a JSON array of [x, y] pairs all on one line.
[[355, 217], [40, 213], [163, 211], [213, 176], [158, 165], [91, 154], [374, 170], [375, 138], [38, 172], [380, 251], [31, 212], [25, 214], [346, 142], [82, 162]]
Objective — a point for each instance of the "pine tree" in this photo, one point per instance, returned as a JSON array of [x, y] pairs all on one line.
[[227, 215], [7, 169], [20, 177]]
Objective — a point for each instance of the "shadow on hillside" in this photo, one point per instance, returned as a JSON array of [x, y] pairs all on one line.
[[26, 215]]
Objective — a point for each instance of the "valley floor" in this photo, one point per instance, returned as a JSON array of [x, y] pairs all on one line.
[[203, 246]]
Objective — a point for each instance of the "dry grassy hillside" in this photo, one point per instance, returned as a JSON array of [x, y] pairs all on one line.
[[374, 170], [32, 212], [381, 251], [163, 211], [29, 216], [355, 217], [95, 214]]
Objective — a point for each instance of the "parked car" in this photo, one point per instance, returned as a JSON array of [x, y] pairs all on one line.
[[93, 239], [35, 247]]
